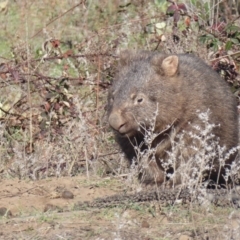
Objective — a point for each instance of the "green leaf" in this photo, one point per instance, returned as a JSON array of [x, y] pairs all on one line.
[[162, 5], [203, 39], [206, 7], [159, 1], [210, 36], [228, 45], [232, 28], [193, 2], [215, 47], [235, 40], [160, 25], [159, 31]]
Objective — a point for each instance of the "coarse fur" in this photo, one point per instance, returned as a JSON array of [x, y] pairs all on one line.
[[171, 88]]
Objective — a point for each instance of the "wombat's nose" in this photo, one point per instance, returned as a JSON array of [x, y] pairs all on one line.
[[116, 122], [122, 128]]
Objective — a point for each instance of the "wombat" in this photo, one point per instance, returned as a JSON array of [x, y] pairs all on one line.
[[171, 89]]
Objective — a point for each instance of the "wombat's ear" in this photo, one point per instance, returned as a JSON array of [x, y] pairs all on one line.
[[168, 65]]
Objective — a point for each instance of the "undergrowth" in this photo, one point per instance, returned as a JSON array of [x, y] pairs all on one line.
[[192, 164], [57, 61]]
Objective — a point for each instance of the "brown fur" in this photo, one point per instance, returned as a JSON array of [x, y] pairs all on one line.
[[177, 86]]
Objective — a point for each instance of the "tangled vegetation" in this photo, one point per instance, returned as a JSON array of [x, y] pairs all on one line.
[[58, 59]]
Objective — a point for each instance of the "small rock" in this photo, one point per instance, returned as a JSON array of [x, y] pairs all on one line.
[[5, 212], [145, 224], [67, 194]]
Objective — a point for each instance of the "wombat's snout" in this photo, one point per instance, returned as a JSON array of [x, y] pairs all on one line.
[[117, 122]]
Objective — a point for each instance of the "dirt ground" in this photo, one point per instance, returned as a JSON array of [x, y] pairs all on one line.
[[45, 209]]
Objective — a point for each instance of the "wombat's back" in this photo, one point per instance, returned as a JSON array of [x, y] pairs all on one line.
[[205, 89]]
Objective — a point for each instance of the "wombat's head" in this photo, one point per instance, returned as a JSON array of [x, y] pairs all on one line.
[[141, 91]]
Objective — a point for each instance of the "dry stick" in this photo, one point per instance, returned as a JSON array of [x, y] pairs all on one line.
[[18, 194], [28, 86], [228, 55], [77, 56], [99, 156], [71, 166], [8, 113], [86, 160], [108, 165], [34, 35], [97, 89]]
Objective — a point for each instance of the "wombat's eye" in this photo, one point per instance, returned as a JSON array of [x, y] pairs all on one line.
[[140, 100]]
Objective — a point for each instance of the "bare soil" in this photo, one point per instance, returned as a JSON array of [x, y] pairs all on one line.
[[44, 210]]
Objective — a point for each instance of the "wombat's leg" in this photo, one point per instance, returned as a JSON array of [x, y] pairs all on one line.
[[166, 144], [152, 174]]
